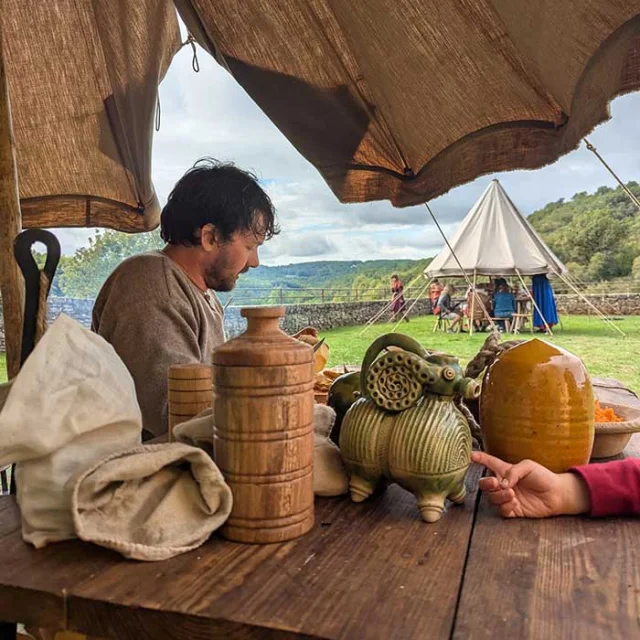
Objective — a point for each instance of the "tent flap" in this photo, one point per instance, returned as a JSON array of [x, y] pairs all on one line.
[[83, 78], [404, 100]]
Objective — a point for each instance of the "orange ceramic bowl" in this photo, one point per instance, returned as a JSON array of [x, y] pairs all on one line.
[[537, 402]]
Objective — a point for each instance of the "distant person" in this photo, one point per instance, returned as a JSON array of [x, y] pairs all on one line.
[[449, 311], [545, 312], [435, 289], [504, 304], [398, 304]]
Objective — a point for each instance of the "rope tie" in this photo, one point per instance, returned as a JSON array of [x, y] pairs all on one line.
[[488, 353], [626, 189], [41, 317], [476, 432], [195, 63]]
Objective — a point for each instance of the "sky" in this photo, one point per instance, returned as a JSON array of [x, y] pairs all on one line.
[[209, 114]]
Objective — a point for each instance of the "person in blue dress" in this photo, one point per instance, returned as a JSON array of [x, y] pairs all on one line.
[[504, 305]]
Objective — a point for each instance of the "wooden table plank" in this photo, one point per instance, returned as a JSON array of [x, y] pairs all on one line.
[[370, 570], [569, 577], [33, 581]]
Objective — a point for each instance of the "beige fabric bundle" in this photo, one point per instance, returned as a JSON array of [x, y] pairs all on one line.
[[146, 505], [329, 475], [72, 403]]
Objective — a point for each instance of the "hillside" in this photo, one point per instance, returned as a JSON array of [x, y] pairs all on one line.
[[333, 280], [596, 235]]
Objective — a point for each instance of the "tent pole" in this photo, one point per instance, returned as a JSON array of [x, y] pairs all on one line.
[[473, 302], [11, 281], [492, 324], [547, 327]]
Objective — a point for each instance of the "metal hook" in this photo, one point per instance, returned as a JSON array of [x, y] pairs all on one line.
[[31, 272]]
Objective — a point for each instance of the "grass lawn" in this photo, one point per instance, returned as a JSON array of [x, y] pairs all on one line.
[[604, 351]]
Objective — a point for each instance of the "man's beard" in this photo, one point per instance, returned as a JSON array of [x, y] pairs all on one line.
[[219, 278]]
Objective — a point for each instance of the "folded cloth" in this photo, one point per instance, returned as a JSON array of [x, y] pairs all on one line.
[[72, 403], [197, 432], [329, 475], [151, 502]]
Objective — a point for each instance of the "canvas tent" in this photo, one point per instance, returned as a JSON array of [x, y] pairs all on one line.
[[495, 239]]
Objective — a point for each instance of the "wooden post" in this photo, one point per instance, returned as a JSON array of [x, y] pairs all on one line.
[[11, 281], [473, 302]]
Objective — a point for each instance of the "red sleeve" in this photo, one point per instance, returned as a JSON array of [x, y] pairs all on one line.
[[614, 487]]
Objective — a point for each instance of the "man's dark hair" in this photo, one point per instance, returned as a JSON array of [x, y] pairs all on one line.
[[220, 194], [394, 276]]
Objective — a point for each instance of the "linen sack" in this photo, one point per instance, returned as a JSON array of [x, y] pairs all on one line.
[[72, 403], [151, 502]]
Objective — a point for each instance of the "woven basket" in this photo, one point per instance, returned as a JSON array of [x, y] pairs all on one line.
[[612, 437]]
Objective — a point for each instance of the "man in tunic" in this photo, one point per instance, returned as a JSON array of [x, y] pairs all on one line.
[[160, 308]]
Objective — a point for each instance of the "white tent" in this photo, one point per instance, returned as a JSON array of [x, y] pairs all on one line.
[[495, 239]]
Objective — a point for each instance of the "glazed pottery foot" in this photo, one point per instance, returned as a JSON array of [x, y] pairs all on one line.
[[458, 496], [431, 507], [360, 488]]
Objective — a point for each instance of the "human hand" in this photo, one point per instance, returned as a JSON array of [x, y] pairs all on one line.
[[529, 490]]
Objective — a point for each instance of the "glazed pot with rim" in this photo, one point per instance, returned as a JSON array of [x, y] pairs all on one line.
[[537, 402]]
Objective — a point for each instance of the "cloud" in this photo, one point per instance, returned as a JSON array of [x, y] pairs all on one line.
[[209, 114], [297, 245]]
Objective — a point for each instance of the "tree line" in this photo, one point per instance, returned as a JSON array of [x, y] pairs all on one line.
[[596, 235]]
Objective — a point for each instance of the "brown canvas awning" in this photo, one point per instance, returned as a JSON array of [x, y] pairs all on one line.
[[83, 78], [406, 99]]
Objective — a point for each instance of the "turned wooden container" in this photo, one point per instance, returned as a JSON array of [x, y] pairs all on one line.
[[190, 391], [263, 429]]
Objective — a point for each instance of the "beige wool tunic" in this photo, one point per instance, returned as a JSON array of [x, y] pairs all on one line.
[[155, 316]]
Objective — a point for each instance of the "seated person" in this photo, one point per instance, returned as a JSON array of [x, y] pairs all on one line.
[[480, 308], [160, 308], [449, 311], [504, 305]]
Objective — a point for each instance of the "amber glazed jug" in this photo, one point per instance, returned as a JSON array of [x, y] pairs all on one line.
[[537, 402], [263, 433]]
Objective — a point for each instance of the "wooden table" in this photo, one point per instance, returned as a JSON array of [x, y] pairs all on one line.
[[370, 570]]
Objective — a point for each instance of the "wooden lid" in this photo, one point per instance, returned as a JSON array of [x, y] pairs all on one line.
[[262, 312], [263, 344], [191, 371]]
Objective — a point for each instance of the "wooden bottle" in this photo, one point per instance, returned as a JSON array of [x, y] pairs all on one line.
[[263, 433], [190, 389]]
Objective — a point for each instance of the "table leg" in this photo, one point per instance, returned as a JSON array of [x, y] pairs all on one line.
[[8, 630]]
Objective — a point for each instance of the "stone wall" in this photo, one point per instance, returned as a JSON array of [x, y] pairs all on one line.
[[610, 304], [76, 308], [324, 316], [340, 314]]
